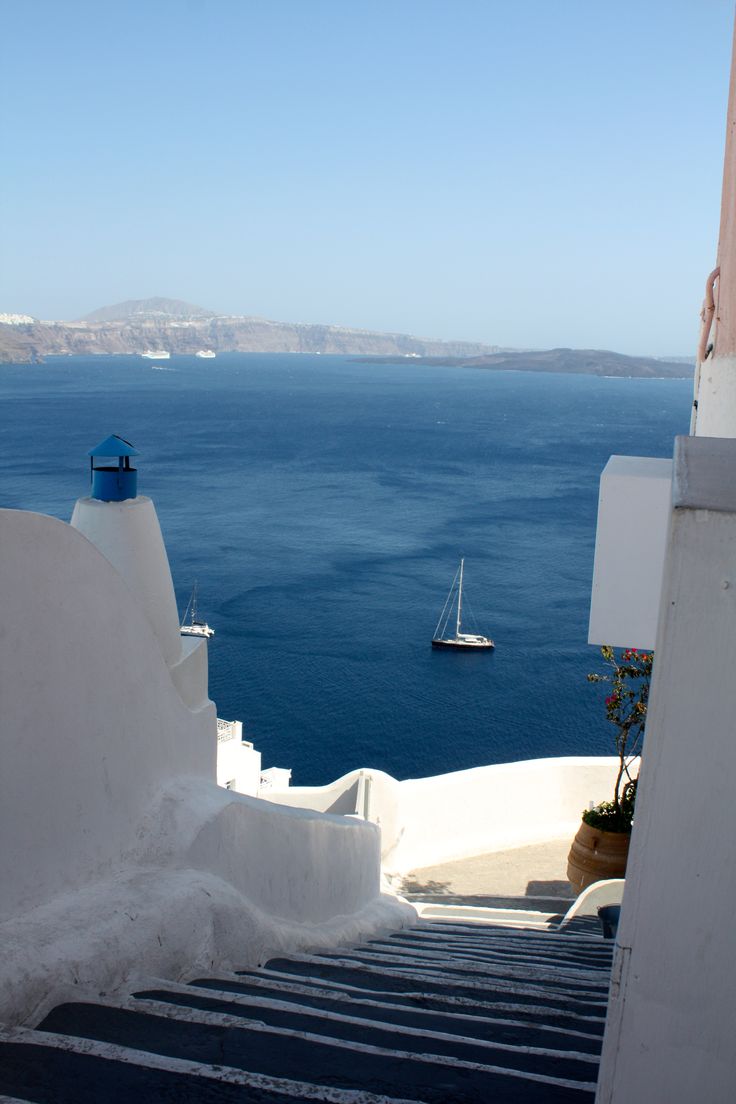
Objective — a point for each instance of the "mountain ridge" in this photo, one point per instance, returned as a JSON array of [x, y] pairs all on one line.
[[590, 362], [155, 307], [136, 325]]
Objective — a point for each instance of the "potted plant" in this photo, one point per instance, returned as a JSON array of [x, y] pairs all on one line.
[[601, 846]]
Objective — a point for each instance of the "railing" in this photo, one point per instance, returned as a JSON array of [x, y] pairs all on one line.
[[226, 730]]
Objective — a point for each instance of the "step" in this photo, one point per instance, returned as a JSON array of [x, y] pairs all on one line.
[[446, 961], [357, 1031], [540, 1014], [67, 1071], [446, 971], [505, 1030], [528, 918], [456, 984], [557, 906], [453, 1010], [495, 951], [389, 1070], [585, 934]]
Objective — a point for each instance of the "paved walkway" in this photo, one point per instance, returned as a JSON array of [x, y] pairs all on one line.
[[536, 871]]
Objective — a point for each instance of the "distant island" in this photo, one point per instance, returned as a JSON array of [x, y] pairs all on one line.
[[589, 362], [141, 324], [138, 325]]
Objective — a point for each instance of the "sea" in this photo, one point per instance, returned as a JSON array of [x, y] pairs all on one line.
[[323, 504]]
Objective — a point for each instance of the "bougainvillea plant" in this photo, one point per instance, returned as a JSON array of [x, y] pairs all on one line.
[[626, 709]]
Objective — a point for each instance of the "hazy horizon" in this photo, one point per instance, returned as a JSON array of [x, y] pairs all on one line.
[[321, 322], [540, 177]]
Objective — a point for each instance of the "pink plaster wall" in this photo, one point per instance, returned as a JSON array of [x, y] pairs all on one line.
[[724, 338]]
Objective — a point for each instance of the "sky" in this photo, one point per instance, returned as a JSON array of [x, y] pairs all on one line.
[[527, 174]]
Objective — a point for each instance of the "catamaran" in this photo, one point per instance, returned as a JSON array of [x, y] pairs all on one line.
[[194, 627], [454, 602]]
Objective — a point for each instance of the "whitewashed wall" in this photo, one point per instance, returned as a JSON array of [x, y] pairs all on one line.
[[452, 816], [129, 536], [493, 808], [92, 727], [119, 855], [670, 1030], [238, 762], [631, 535]]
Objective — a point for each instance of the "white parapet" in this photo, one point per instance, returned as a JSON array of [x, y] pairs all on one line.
[[275, 779], [129, 536], [425, 821], [633, 514], [119, 856]]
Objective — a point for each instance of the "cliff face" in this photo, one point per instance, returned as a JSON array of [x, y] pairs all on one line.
[[589, 362], [136, 325], [33, 342]]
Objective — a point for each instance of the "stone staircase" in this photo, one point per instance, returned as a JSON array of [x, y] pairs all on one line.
[[445, 1013]]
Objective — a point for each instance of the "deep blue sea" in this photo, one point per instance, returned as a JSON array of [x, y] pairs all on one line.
[[323, 505]]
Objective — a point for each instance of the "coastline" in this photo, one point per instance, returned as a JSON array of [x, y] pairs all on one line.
[[604, 365]]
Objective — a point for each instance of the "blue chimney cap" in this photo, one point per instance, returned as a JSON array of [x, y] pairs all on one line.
[[114, 446]]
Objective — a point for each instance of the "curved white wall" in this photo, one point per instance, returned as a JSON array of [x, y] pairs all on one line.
[[119, 855], [453, 816], [216, 881], [294, 864], [494, 808], [129, 536], [91, 724]]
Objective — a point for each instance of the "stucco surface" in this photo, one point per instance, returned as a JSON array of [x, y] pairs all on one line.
[[220, 882], [425, 821], [669, 1034], [91, 726], [716, 413], [129, 536], [119, 855], [634, 500]]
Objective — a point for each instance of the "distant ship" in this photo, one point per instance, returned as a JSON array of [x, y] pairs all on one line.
[[206, 354], [194, 627], [156, 354], [461, 641]]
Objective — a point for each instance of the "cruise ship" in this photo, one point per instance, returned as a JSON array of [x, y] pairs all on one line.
[[206, 354], [156, 354]]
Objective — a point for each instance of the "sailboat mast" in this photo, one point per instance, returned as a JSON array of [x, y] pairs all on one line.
[[459, 598], [194, 602]]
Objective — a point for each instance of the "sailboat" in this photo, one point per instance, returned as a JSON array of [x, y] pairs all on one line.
[[194, 627], [462, 641]]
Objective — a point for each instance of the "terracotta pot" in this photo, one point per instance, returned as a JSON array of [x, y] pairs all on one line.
[[596, 855]]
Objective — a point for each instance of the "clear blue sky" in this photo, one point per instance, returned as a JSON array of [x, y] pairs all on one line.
[[530, 174]]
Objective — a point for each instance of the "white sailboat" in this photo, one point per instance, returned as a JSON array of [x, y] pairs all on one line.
[[454, 603], [194, 627]]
